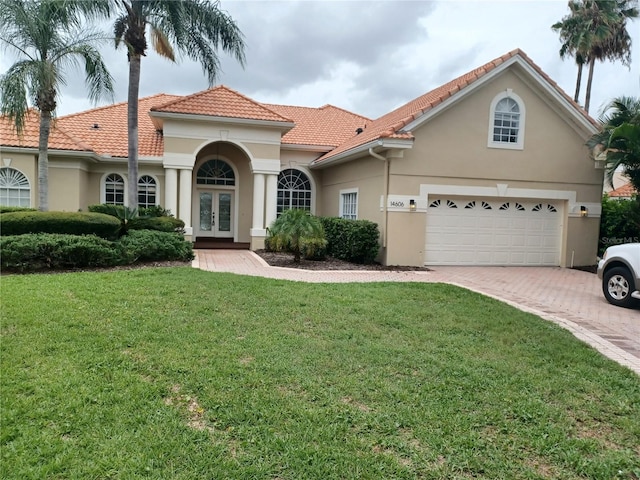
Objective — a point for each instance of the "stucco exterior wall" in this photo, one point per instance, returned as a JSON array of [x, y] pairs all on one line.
[[364, 174]]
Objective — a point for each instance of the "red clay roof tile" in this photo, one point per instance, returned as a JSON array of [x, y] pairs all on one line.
[[625, 191]]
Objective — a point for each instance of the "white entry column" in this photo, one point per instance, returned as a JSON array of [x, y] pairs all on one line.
[[185, 199], [258, 205], [171, 190], [271, 201]]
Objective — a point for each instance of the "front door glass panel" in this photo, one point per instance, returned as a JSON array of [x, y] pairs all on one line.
[[224, 212], [206, 211]]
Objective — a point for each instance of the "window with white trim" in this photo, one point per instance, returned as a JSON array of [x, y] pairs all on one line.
[[506, 126], [294, 190], [147, 191], [349, 204], [114, 189], [15, 190], [215, 172]]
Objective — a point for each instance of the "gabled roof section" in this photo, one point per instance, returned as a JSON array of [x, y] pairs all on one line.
[[392, 125], [29, 138], [105, 128], [221, 101], [624, 191], [327, 126]]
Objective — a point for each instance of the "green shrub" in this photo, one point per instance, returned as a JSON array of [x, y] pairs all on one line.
[[293, 229], [162, 224], [38, 251], [314, 248], [146, 245], [74, 223], [619, 222], [355, 241], [108, 209], [5, 209], [155, 211]]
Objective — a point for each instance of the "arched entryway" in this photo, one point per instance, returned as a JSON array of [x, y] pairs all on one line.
[[215, 191]]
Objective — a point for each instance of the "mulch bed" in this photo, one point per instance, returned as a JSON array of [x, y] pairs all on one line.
[[279, 259]]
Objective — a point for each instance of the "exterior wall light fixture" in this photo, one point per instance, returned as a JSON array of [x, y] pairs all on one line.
[[584, 211], [412, 205]]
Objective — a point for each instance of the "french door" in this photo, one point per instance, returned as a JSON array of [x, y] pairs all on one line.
[[215, 213]]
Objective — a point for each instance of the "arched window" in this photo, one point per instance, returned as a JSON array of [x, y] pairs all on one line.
[[506, 128], [215, 172], [114, 189], [147, 191], [294, 190], [14, 188]]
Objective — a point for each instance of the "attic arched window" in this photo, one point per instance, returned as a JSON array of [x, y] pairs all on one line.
[[294, 190], [507, 117], [15, 190]]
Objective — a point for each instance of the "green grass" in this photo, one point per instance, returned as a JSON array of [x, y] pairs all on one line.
[[184, 374]]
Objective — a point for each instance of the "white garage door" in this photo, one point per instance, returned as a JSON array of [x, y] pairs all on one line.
[[476, 231]]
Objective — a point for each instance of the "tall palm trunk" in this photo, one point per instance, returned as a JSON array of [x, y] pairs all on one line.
[[578, 82], [43, 161], [132, 125], [587, 99]]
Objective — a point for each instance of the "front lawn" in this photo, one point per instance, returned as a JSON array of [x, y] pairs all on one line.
[[177, 373]]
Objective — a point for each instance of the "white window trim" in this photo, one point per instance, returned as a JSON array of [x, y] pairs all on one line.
[[312, 205], [519, 145], [157, 185], [341, 202], [103, 187], [8, 166]]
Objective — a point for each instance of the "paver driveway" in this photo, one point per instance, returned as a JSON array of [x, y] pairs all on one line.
[[568, 297]]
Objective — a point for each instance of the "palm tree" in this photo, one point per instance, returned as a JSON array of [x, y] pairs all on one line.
[[295, 231], [619, 138], [596, 30], [194, 27], [571, 31], [48, 36]]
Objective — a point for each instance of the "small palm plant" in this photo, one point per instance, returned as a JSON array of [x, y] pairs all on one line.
[[296, 231]]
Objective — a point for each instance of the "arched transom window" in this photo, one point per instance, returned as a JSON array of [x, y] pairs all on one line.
[[294, 190], [114, 189], [14, 188], [147, 191], [215, 172], [506, 121]]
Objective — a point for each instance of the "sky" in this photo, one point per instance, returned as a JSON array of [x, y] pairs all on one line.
[[368, 57]]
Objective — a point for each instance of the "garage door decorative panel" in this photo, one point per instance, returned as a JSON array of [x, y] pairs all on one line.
[[502, 232]]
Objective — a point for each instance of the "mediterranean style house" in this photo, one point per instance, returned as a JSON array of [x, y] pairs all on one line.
[[488, 169]]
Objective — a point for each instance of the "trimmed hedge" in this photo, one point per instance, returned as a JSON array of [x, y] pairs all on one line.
[[619, 222], [355, 241], [46, 251], [144, 245], [5, 209], [74, 223], [118, 210], [39, 251], [162, 224]]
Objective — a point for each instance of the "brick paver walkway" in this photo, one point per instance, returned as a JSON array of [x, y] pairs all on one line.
[[570, 298]]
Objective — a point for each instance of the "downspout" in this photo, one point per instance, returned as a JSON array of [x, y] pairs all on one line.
[[385, 194]]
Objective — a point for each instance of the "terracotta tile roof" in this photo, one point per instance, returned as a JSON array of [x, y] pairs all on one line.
[[391, 125], [324, 126], [625, 191], [58, 138], [221, 101], [110, 136]]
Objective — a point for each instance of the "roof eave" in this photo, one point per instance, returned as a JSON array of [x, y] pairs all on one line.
[[52, 151], [284, 126], [363, 150]]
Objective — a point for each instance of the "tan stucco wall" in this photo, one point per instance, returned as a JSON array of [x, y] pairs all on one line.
[[452, 149]]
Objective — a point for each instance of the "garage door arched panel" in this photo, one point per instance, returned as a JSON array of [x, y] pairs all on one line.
[[477, 231]]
